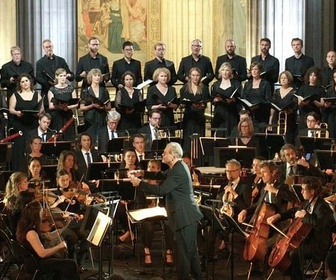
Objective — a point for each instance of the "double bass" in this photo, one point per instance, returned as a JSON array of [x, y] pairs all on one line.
[[255, 248]]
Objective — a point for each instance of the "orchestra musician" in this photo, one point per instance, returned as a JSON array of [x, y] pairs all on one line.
[[28, 234], [246, 135], [42, 130], [316, 213], [292, 165], [35, 173], [139, 144], [274, 198], [255, 178], [150, 130]]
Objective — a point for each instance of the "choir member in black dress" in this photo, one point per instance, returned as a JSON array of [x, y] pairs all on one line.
[[196, 59], [329, 110], [285, 99], [127, 63], [47, 65], [246, 135], [60, 110], [160, 62], [298, 64], [195, 95], [330, 69], [311, 86], [226, 109], [162, 97], [24, 99], [269, 63], [13, 68], [90, 61], [95, 103], [237, 62], [256, 91], [127, 104]]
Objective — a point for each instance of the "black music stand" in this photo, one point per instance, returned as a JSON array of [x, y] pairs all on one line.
[[159, 145], [270, 144], [244, 155], [326, 159], [6, 153], [50, 171], [125, 189], [54, 149], [209, 143], [117, 145], [97, 170], [312, 143]]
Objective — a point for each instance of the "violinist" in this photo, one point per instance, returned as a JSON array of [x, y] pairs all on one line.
[[274, 198], [235, 197], [68, 201], [35, 173], [28, 234], [316, 213]]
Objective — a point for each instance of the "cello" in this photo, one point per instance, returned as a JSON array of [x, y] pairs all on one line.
[[255, 248]]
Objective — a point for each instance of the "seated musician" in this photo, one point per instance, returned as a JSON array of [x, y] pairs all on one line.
[[35, 145], [28, 234], [67, 161], [275, 194], [235, 192], [43, 130], [246, 135], [316, 213], [196, 175], [35, 173], [147, 227], [139, 145], [72, 201], [86, 153], [151, 129], [295, 166], [129, 163], [254, 179]]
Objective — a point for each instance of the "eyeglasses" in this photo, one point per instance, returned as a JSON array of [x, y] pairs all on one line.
[[230, 171]]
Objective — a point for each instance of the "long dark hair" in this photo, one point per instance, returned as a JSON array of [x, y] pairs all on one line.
[[30, 220]]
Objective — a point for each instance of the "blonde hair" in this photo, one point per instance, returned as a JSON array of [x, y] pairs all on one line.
[[225, 65], [58, 72], [12, 190], [161, 70], [92, 72]]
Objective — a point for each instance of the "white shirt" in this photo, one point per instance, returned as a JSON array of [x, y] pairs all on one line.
[[85, 156]]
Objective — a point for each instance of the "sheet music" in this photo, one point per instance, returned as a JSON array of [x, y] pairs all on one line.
[[143, 84], [146, 213]]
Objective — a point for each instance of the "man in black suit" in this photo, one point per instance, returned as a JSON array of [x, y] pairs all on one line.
[[270, 64], [295, 166], [42, 130], [13, 68], [196, 59], [92, 60], [127, 63], [47, 65], [182, 210], [298, 64], [237, 62], [316, 214], [160, 62], [109, 132], [151, 129], [85, 153]]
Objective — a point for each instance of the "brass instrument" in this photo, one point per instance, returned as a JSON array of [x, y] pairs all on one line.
[[12, 137], [228, 203], [282, 123], [198, 198], [55, 136], [323, 132]]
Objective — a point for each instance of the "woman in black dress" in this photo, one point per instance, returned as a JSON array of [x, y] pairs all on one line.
[[311, 87], [162, 97], [226, 110], [195, 95], [59, 96], [285, 99], [24, 106], [95, 103], [127, 104]]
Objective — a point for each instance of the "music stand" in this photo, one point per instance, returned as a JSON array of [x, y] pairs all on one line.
[[54, 149], [312, 143], [124, 188], [244, 155], [50, 171], [97, 170], [159, 145], [270, 144], [116, 145], [326, 159], [209, 143], [6, 152]]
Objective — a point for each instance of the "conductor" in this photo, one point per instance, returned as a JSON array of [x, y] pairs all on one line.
[[182, 210]]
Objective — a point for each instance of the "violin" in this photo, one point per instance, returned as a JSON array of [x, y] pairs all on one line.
[[255, 248]]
